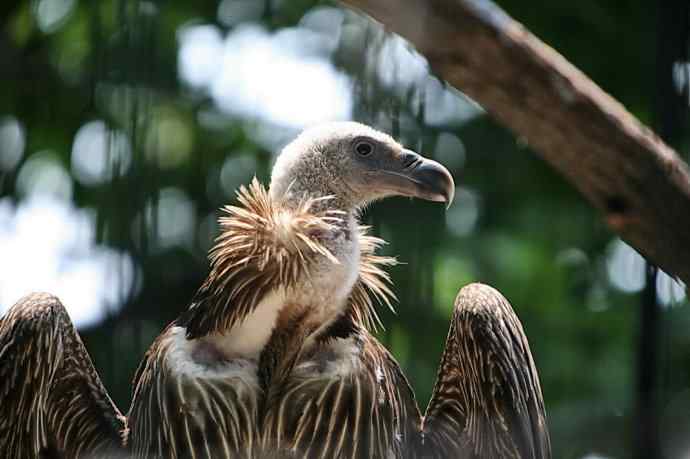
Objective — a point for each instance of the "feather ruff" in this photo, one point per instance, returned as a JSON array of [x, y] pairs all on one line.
[[264, 245]]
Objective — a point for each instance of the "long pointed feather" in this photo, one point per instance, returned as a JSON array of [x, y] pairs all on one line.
[[264, 245]]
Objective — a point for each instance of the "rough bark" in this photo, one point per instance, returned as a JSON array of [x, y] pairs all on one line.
[[637, 181]]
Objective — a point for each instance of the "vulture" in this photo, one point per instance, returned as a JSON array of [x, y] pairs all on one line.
[[275, 356]]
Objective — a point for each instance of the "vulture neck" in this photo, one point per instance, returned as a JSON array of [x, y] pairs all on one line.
[[317, 300]]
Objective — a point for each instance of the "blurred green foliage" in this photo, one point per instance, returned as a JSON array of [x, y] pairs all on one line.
[[515, 224]]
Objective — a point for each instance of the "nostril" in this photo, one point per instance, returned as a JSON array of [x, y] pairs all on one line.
[[411, 160]]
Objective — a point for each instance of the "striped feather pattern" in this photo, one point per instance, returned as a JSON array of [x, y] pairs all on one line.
[[199, 413], [262, 246], [366, 411], [336, 395], [247, 262], [487, 401], [335, 403], [51, 399], [373, 284]]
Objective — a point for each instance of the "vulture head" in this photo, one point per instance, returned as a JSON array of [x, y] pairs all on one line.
[[297, 251], [356, 165]]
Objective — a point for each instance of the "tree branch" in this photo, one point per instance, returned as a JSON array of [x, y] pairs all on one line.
[[618, 164]]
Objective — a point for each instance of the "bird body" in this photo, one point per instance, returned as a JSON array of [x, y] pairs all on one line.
[[274, 357], [312, 391], [346, 398]]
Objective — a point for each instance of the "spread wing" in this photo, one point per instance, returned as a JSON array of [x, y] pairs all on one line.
[[51, 398], [487, 402]]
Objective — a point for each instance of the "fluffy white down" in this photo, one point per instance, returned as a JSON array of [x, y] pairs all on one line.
[[341, 359], [248, 338], [179, 360]]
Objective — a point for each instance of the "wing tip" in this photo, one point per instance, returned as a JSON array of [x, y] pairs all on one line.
[[479, 296], [477, 287], [39, 297], [35, 306], [485, 304]]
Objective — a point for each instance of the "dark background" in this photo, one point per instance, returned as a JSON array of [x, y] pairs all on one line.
[[116, 151]]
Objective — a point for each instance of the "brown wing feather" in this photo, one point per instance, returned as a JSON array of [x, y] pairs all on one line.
[[197, 414], [51, 398], [367, 412], [487, 402]]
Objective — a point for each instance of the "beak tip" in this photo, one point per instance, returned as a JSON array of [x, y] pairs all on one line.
[[447, 186], [437, 181], [444, 193], [422, 178], [450, 192]]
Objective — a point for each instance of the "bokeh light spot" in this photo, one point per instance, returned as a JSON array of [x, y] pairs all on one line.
[[626, 268], [176, 218], [42, 173], [200, 49], [669, 290], [281, 78], [48, 245], [12, 143], [98, 152], [450, 151], [170, 140], [237, 170], [52, 14], [463, 214]]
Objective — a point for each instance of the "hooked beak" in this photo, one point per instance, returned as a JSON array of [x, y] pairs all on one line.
[[415, 176]]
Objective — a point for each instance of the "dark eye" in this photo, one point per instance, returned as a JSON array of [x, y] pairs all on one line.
[[364, 147]]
